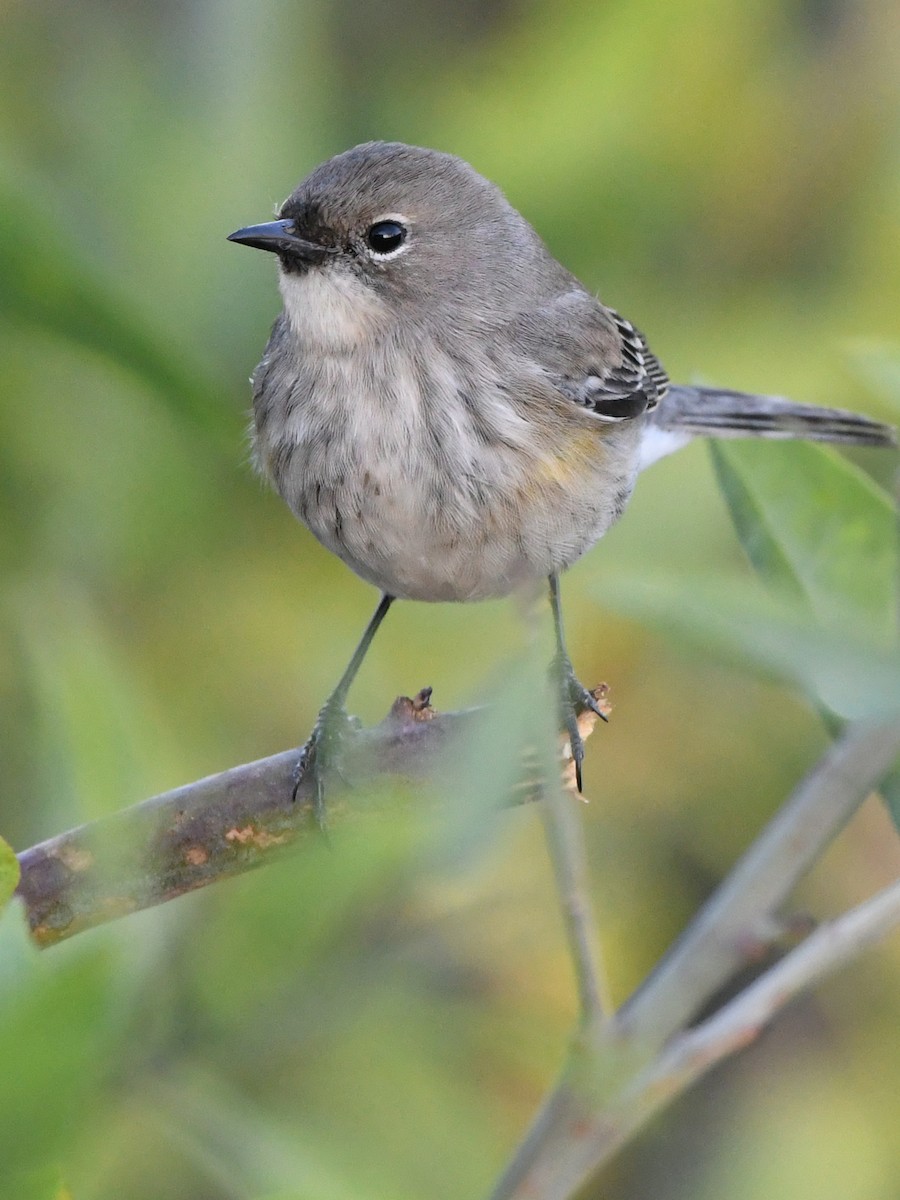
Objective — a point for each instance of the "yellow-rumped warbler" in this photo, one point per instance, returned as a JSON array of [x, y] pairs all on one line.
[[448, 409]]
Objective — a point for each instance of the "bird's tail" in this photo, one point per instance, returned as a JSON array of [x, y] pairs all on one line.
[[712, 412]]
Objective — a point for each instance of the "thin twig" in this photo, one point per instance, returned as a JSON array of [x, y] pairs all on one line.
[[739, 916], [565, 844], [739, 1021]]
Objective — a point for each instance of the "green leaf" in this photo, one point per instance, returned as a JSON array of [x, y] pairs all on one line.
[[817, 528], [9, 873], [738, 623]]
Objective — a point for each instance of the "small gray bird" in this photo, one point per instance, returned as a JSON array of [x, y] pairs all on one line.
[[448, 409]]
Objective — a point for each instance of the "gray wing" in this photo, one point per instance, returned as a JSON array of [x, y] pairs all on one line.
[[593, 356]]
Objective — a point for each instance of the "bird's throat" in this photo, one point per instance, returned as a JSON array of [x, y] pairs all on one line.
[[331, 310]]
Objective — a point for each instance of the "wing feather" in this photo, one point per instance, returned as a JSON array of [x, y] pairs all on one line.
[[593, 356]]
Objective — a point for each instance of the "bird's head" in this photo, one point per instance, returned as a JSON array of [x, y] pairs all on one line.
[[417, 231]]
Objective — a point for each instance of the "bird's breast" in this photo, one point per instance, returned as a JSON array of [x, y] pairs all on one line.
[[428, 476]]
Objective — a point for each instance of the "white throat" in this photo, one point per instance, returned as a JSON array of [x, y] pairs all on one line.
[[330, 309]]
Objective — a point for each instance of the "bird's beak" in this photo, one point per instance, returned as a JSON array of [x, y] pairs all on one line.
[[281, 238]]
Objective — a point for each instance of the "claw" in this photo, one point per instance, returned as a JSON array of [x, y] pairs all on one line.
[[576, 745], [581, 698], [575, 699], [320, 755]]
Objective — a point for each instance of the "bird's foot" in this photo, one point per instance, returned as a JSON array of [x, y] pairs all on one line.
[[321, 755], [574, 699]]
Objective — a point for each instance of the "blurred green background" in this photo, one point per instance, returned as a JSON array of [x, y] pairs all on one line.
[[381, 1021]]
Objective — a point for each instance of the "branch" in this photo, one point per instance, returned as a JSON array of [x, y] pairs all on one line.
[[215, 828]]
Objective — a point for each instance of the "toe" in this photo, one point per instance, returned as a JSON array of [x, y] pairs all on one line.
[[591, 702]]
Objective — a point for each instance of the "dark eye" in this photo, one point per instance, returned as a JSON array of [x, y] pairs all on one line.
[[385, 236]]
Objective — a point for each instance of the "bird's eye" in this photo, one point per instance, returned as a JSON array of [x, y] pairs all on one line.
[[385, 236]]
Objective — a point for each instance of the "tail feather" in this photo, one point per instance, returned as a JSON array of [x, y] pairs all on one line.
[[714, 412]]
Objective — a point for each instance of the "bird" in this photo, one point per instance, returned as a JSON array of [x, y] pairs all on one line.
[[451, 411]]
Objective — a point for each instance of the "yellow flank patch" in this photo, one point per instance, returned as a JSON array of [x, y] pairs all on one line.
[[569, 461], [571, 464]]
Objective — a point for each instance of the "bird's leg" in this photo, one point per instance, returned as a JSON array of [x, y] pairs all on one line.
[[574, 697], [322, 748]]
